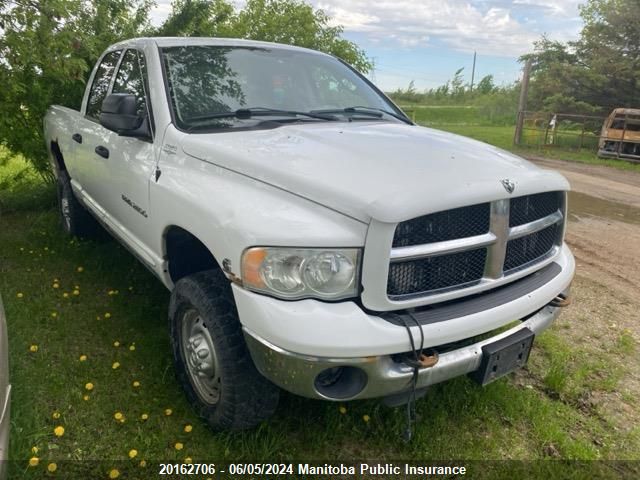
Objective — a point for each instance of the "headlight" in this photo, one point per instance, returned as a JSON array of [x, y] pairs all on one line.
[[293, 273]]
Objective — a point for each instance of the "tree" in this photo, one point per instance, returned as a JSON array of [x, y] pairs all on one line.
[[599, 71], [284, 21], [485, 85]]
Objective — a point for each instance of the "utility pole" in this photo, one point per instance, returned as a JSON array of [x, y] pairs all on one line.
[[473, 71], [522, 104]]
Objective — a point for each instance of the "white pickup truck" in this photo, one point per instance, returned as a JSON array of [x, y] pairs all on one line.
[[312, 237]]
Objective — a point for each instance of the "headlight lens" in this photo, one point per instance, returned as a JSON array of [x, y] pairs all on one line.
[[293, 273]]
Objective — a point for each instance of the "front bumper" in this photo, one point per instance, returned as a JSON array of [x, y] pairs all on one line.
[[383, 376]]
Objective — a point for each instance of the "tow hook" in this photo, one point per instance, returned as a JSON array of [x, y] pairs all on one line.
[[427, 361], [561, 301]]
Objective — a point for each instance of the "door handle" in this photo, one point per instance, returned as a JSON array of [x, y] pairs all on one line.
[[77, 137], [102, 151]]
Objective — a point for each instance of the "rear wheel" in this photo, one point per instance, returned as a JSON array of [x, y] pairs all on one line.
[[76, 220], [212, 361]]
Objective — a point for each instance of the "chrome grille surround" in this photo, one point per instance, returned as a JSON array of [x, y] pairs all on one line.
[[498, 241]]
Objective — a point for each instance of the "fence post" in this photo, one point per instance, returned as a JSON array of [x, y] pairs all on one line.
[[522, 103]]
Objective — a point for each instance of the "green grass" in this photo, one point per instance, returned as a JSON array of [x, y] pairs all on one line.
[[457, 420]]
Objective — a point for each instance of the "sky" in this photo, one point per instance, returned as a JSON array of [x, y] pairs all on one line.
[[428, 40]]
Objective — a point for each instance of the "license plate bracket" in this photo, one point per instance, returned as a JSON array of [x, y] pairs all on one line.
[[504, 356]]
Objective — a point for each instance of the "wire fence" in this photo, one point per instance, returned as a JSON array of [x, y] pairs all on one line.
[[560, 130]]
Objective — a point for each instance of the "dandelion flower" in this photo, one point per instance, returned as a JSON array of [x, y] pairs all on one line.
[[116, 344], [179, 446], [111, 292], [55, 416], [188, 460], [56, 285], [366, 418], [54, 314], [107, 315], [343, 409], [20, 295], [133, 453], [33, 348], [188, 428], [76, 292], [136, 384], [65, 295], [115, 365], [88, 386], [59, 431], [52, 467], [144, 416], [34, 450], [168, 412], [34, 461], [132, 347], [83, 358], [80, 269], [86, 398], [118, 416], [114, 473], [143, 463]]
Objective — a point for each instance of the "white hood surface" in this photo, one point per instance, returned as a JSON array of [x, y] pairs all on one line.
[[387, 171]]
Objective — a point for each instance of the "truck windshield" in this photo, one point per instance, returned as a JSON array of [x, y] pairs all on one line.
[[208, 85]]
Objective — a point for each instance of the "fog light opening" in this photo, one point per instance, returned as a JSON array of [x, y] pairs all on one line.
[[340, 383]]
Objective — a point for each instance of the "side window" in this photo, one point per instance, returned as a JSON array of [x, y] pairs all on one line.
[[130, 79], [101, 83]]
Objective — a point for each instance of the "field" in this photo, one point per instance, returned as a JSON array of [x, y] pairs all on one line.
[[76, 307]]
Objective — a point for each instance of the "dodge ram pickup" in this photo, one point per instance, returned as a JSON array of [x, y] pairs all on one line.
[[312, 237]]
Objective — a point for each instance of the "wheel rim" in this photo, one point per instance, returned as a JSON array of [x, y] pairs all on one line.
[[65, 209], [200, 357]]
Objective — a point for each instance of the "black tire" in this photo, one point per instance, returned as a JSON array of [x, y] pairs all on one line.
[[233, 395], [76, 220]]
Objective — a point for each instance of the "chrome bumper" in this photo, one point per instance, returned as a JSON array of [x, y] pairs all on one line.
[[296, 373]]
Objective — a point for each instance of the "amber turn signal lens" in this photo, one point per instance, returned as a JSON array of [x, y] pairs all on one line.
[[251, 263]]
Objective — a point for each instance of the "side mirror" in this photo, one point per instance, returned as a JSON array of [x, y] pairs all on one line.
[[119, 113]]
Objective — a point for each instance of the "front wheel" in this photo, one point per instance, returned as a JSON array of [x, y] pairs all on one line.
[[212, 361]]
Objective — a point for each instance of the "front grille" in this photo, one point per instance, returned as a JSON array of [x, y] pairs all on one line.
[[525, 251], [436, 274], [437, 227], [422, 265], [533, 207]]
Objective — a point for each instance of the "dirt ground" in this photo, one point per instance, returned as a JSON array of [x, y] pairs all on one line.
[[604, 235]]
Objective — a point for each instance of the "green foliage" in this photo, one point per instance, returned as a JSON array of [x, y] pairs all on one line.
[[598, 72]]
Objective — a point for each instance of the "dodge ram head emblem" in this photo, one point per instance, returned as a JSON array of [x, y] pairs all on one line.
[[508, 185]]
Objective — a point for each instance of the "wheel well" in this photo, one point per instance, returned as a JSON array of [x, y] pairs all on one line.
[[57, 156], [186, 254]]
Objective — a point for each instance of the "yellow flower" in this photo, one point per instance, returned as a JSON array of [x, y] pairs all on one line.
[[59, 431], [179, 446], [114, 473], [168, 412], [136, 384], [144, 416], [19, 295], [83, 358], [76, 292], [34, 450], [34, 461], [116, 344], [54, 314], [55, 415], [188, 428], [133, 453], [111, 292], [80, 269], [65, 295], [85, 397], [188, 460], [107, 315], [115, 365], [88, 386], [56, 285], [143, 463], [343, 409], [98, 317], [33, 348], [366, 418], [132, 347], [52, 467], [118, 416]]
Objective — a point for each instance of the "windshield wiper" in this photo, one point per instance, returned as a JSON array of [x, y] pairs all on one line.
[[368, 111], [246, 113]]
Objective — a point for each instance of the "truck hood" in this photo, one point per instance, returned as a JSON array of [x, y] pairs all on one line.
[[387, 171]]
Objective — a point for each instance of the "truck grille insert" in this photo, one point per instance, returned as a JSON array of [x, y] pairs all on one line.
[[462, 247]]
